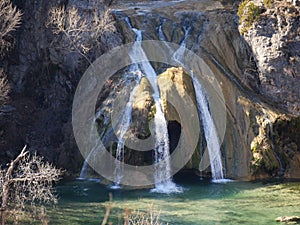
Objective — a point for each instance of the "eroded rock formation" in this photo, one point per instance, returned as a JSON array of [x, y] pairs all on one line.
[[258, 75]]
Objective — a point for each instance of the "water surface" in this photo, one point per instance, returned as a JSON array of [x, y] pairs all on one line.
[[202, 202]]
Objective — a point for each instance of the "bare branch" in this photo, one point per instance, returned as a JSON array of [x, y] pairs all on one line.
[[108, 209], [10, 19], [77, 32], [151, 217], [4, 88], [27, 180]]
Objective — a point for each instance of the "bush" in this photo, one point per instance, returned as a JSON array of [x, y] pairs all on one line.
[[248, 13], [76, 32], [4, 88], [136, 217], [27, 181], [268, 4], [150, 217], [10, 19]]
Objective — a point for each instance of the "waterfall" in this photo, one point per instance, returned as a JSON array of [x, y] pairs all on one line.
[[126, 113], [163, 173], [124, 125], [271, 135], [103, 137], [179, 54], [210, 131], [85, 165], [161, 34]]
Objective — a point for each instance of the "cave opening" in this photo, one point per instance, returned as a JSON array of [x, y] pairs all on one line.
[[174, 132]]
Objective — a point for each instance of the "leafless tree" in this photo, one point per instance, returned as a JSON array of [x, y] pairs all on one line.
[[76, 32], [28, 180], [10, 19]]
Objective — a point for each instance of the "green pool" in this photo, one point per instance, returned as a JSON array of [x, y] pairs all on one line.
[[202, 202]]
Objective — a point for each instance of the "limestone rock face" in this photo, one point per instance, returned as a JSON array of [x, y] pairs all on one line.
[[259, 79], [143, 109], [175, 86], [275, 43], [174, 80], [293, 170]]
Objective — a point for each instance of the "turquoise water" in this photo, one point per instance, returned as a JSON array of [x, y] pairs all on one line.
[[202, 202]]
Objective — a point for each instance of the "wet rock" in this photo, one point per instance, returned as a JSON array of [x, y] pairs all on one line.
[[143, 109], [288, 219], [7, 108]]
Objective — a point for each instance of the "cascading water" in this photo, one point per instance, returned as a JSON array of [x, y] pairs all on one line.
[[210, 131], [126, 115], [124, 125], [162, 176], [84, 168], [179, 54], [123, 120], [271, 135], [161, 34], [91, 154]]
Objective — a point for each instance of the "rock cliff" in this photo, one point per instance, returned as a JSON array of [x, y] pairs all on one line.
[[258, 73]]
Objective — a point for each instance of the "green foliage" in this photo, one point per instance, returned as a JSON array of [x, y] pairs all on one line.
[[253, 14], [152, 113], [257, 163], [248, 13], [242, 7], [268, 4], [255, 148]]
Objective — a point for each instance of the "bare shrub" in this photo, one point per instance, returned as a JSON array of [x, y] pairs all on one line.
[[108, 209], [136, 217], [10, 19], [28, 180], [4, 88], [151, 217], [78, 32]]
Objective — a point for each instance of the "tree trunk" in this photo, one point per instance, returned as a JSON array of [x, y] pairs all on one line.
[[3, 216], [6, 185], [4, 203]]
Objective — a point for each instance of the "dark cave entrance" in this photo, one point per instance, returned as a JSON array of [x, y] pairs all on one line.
[[174, 132]]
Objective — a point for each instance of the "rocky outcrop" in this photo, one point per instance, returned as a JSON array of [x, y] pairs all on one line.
[[258, 77], [275, 42], [43, 79], [288, 219], [174, 79], [286, 131], [250, 143], [175, 83], [143, 109]]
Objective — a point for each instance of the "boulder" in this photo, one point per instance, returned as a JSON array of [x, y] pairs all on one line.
[[288, 219], [174, 79]]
